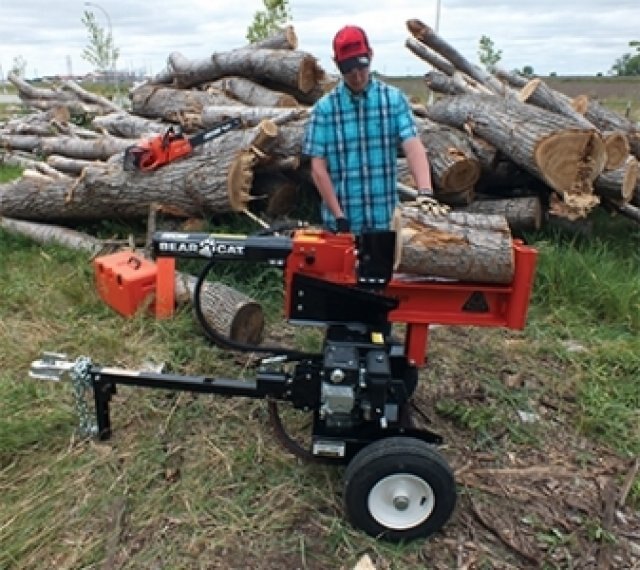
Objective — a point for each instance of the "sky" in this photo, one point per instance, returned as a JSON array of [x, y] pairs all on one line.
[[568, 37]]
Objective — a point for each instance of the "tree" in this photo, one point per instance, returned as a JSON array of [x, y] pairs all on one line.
[[19, 66], [628, 64], [267, 21], [527, 71], [487, 52], [100, 52]]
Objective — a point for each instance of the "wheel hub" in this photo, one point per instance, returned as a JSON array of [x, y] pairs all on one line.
[[401, 501]]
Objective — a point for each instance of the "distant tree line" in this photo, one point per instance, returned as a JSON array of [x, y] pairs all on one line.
[[629, 63]]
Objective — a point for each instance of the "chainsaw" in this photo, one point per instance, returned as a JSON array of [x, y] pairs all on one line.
[[358, 387], [157, 151]]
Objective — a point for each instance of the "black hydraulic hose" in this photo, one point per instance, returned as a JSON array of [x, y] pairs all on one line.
[[226, 342]]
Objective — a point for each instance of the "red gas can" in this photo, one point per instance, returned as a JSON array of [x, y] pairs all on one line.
[[125, 281]]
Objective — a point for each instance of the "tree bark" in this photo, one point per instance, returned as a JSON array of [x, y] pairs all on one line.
[[129, 126], [229, 311], [538, 93], [195, 186], [607, 120], [522, 214], [73, 166], [619, 184], [427, 36], [468, 247], [96, 149], [296, 69], [250, 93], [250, 116], [453, 163], [284, 38], [180, 106], [552, 147], [617, 146], [433, 59]]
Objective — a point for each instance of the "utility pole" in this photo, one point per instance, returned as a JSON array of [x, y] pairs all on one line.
[[436, 29]]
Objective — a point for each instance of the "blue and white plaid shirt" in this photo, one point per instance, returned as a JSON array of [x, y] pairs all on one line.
[[358, 135]]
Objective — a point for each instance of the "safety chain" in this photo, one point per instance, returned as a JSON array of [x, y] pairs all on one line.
[[81, 382]]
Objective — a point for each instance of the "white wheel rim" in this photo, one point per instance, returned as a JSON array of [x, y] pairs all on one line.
[[401, 501]]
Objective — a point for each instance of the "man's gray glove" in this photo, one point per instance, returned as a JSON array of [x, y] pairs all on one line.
[[429, 205]]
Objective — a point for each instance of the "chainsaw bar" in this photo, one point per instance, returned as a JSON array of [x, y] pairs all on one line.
[[155, 152]]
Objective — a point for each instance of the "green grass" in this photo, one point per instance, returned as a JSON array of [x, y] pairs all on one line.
[[193, 480], [184, 473]]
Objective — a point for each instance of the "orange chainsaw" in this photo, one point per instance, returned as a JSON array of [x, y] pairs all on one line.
[[155, 152]]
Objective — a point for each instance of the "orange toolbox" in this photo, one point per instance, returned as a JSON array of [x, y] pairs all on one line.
[[125, 281]]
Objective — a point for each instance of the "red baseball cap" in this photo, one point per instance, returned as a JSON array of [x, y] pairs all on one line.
[[351, 49]]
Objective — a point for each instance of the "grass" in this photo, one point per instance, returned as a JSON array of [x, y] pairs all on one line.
[[195, 481], [185, 473]]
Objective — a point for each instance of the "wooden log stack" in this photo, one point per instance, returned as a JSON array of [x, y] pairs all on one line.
[[499, 144]]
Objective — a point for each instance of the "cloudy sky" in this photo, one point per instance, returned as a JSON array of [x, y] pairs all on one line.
[[562, 36]]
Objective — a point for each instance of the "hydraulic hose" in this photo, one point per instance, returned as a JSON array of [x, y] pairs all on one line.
[[225, 342]]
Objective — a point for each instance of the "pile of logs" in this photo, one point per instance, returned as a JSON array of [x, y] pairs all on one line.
[[499, 146], [575, 153]]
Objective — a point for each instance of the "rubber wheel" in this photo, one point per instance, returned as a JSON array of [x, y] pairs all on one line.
[[399, 488]]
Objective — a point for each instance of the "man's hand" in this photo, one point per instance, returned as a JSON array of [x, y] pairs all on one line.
[[429, 205], [343, 226]]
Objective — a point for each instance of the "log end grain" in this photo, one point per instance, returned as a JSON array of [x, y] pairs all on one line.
[[570, 160], [580, 104], [247, 325], [462, 174], [617, 146], [310, 74]]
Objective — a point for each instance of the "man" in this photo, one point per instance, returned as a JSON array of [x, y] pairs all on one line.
[[353, 137]]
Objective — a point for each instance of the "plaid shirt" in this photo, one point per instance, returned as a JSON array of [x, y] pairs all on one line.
[[358, 135]]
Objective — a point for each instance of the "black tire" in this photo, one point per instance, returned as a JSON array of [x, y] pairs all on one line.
[[406, 483]]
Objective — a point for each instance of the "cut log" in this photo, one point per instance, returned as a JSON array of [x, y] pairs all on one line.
[[96, 149], [29, 143], [523, 214], [538, 93], [94, 98], [284, 38], [443, 84], [433, 59], [296, 69], [607, 120], [453, 164], [241, 171], [129, 126], [550, 146], [229, 311], [250, 116], [176, 105], [430, 38], [69, 165], [617, 146], [26, 91], [620, 184], [250, 93], [197, 186], [45, 99], [627, 210], [468, 247]]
